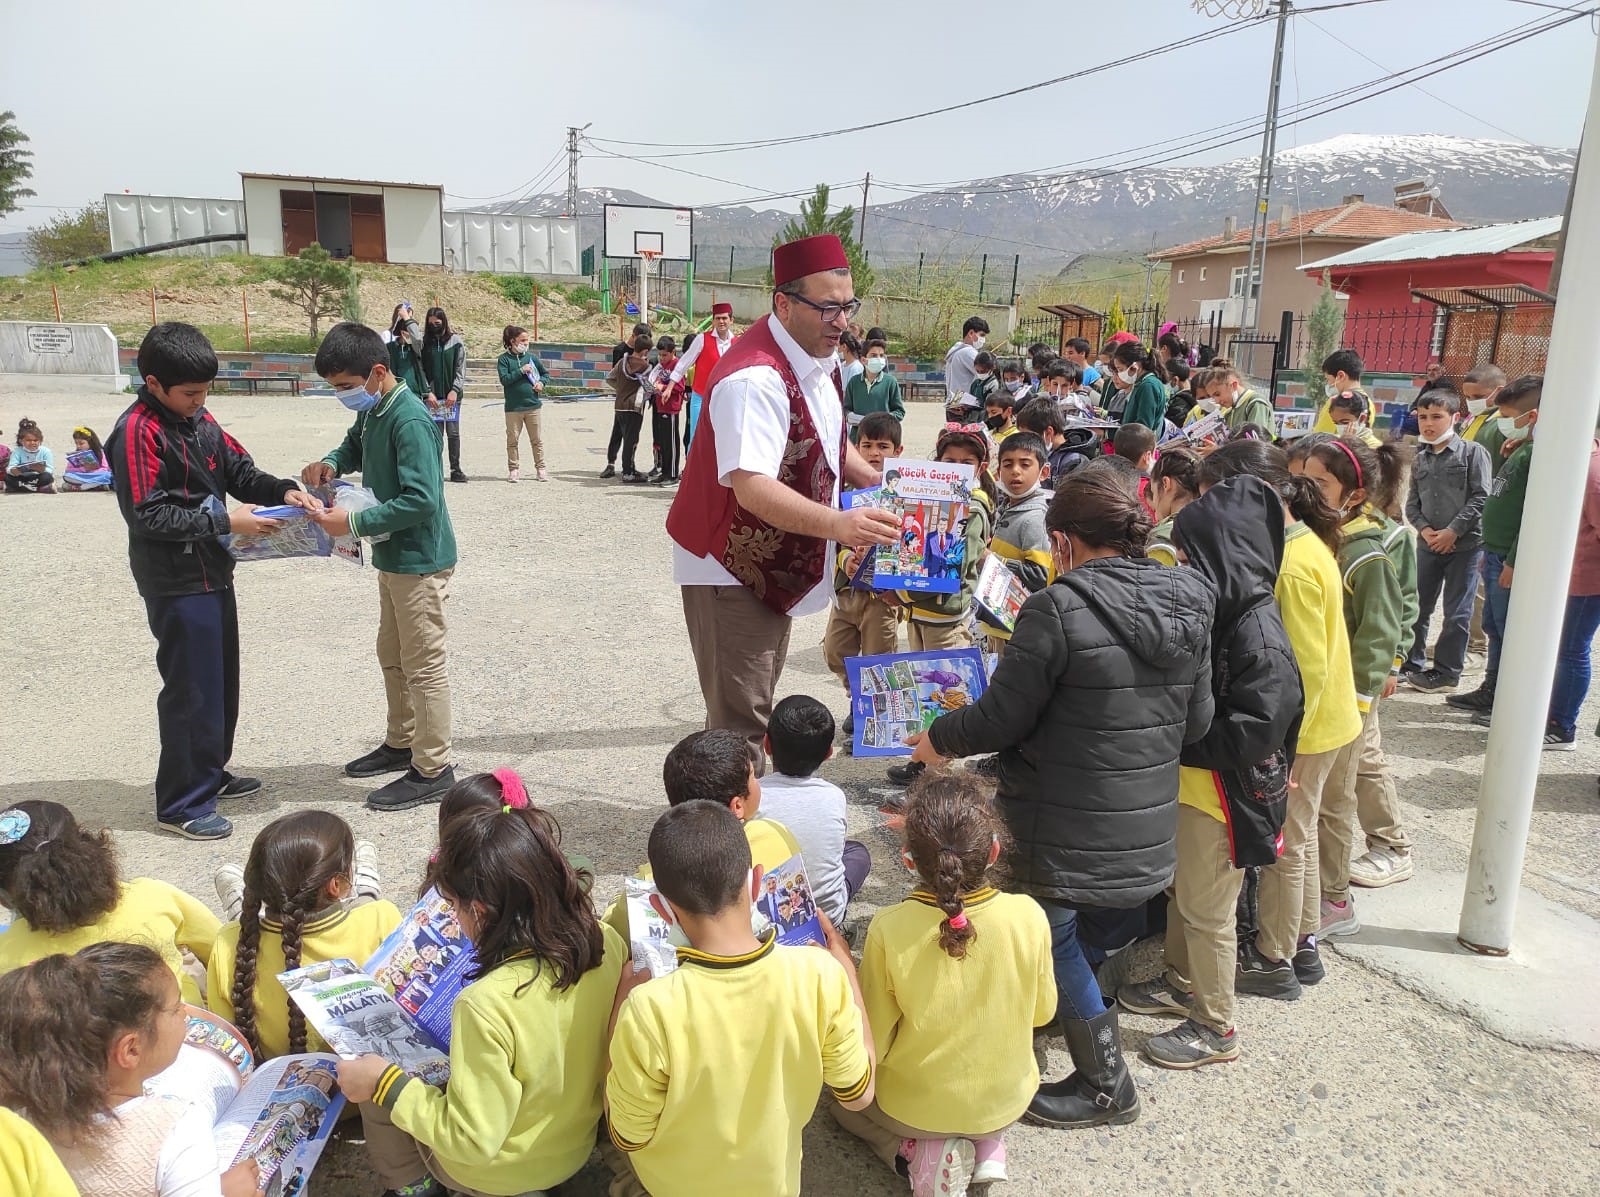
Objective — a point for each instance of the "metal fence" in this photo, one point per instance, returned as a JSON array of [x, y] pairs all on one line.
[[984, 278]]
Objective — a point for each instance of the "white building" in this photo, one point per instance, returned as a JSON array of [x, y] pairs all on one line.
[[350, 218]]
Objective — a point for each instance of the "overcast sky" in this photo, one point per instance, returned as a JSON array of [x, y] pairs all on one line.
[[178, 97]]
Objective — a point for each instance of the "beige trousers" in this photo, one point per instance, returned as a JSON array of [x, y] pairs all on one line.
[[739, 647], [1290, 893], [884, 1134], [516, 421], [416, 667], [859, 625], [1477, 638], [437, 1171], [1360, 787], [1202, 948], [393, 1154], [931, 637]]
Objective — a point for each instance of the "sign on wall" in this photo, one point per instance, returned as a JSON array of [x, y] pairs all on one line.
[[49, 338]]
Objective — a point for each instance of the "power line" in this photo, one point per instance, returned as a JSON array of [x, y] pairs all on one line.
[[523, 188]]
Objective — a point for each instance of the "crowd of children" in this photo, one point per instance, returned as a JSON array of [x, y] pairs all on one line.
[[29, 467]]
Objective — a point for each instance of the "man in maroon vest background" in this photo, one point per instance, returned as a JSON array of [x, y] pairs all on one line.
[[758, 503]]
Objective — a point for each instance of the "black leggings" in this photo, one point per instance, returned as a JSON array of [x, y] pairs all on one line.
[[452, 436], [27, 484]]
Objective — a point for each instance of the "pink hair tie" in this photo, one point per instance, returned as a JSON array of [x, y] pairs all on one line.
[[958, 922], [1354, 460], [511, 789], [976, 429]]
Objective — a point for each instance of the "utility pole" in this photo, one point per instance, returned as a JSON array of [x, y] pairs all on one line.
[[572, 168], [1269, 144], [861, 237]]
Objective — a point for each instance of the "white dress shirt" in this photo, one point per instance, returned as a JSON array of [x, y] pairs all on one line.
[[749, 412]]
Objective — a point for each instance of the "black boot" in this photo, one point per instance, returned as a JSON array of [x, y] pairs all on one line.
[[1100, 1091]]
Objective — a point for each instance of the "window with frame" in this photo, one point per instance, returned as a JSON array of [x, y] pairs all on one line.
[[1202, 274], [1236, 282], [1180, 276]]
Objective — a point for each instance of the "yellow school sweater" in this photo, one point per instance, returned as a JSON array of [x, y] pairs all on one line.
[[28, 1165], [1310, 599], [771, 843], [150, 912], [527, 1063], [955, 1037], [715, 1068], [353, 933]]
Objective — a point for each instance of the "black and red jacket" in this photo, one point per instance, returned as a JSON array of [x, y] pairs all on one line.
[[166, 468]]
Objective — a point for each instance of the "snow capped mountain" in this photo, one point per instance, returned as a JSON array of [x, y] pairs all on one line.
[[1097, 206]]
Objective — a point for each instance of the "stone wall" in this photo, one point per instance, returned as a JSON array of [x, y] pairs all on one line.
[[43, 356]]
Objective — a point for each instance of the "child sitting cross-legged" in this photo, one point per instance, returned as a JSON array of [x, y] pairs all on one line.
[[714, 765], [799, 739], [528, 1034], [64, 884], [79, 1037], [715, 1068], [955, 978]]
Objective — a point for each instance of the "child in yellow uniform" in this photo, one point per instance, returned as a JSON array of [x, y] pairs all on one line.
[[715, 1068], [955, 978], [297, 910], [528, 1035], [707, 766], [63, 883], [27, 1162]]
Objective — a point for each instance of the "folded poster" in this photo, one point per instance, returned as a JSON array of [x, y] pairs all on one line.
[[896, 695]]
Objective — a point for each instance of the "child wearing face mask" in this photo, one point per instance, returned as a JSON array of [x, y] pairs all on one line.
[[1351, 413], [874, 389], [1014, 380], [522, 378], [999, 417], [985, 382]]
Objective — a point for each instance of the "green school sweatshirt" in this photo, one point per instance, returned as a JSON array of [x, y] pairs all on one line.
[[1374, 606], [1502, 512], [405, 360], [1147, 403], [395, 448], [520, 395]]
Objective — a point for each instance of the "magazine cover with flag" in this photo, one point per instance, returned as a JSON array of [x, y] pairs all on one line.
[[897, 695], [930, 499]]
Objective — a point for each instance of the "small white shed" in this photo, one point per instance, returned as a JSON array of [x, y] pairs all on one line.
[[350, 218]]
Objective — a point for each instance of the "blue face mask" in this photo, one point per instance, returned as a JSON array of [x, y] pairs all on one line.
[[357, 399]]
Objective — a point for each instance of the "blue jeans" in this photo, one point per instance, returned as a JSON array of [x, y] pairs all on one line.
[[1497, 602], [1457, 575], [1572, 661], [1078, 993], [197, 654]]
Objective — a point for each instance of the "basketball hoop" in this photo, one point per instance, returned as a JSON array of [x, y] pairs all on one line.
[[649, 256], [1236, 9]]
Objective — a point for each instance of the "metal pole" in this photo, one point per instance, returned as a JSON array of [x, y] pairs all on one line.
[[730, 263], [983, 272], [1269, 143], [244, 298], [572, 170], [861, 237], [152, 307], [1566, 432], [688, 291], [1016, 265], [605, 285], [919, 272], [644, 290]]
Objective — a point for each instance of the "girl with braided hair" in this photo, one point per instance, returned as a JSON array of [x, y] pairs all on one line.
[[954, 980]]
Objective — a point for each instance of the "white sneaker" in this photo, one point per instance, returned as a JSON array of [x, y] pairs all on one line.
[[514, 476], [542, 475], [1379, 867], [366, 880], [229, 880]]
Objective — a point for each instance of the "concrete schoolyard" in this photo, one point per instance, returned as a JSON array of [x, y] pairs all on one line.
[[569, 663]]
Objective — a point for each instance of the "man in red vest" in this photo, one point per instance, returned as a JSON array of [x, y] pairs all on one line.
[[703, 356], [758, 505]]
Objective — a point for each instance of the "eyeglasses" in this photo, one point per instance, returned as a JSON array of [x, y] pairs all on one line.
[[831, 311]]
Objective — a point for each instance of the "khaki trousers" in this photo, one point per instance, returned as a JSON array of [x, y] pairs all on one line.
[[1360, 787], [1290, 893], [931, 637], [516, 421], [739, 647], [884, 1134], [1202, 948], [859, 625], [393, 1154], [437, 1171], [416, 667]]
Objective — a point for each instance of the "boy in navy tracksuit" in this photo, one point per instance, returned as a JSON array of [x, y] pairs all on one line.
[[172, 465]]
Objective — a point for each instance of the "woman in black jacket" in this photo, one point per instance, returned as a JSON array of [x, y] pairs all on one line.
[[1106, 678], [1234, 786]]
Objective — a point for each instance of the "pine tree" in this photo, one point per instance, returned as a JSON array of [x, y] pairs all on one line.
[[15, 165], [814, 220], [315, 282], [1116, 321], [1324, 329]]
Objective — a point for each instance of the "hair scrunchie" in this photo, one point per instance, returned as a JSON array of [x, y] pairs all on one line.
[[511, 789]]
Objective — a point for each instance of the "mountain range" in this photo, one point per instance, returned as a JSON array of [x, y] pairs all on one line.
[[1050, 217]]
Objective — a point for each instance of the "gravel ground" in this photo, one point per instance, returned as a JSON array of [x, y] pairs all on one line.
[[570, 664]]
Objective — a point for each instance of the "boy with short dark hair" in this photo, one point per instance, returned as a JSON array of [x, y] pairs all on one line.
[[666, 401], [1518, 404], [1077, 352], [627, 380], [172, 465], [1019, 538], [862, 623], [985, 380], [715, 1068], [1137, 444], [799, 739], [999, 418], [394, 445], [1449, 486], [1341, 372]]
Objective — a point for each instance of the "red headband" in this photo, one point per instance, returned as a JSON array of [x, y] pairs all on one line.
[[1354, 460]]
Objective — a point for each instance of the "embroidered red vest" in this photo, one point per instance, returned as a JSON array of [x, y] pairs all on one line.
[[779, 568]]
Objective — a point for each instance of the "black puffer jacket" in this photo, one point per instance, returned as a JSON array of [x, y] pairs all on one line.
[[1234, 536], [1106, 677]]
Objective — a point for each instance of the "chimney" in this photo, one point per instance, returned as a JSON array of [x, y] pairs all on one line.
[[1357, 198], [1227, 228], [1285, 215]]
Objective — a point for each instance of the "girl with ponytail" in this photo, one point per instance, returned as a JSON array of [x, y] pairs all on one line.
[[1282, 954], [1142, 379], [954, 980]]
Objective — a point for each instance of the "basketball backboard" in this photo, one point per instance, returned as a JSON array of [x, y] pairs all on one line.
[[633, 229]]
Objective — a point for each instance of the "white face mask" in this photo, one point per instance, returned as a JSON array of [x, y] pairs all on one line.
[[1476, 407], [874, 365], [980, 342], [1332, 390], [1508, 427], [1209, 406], [1128, 376], [1437, 440]]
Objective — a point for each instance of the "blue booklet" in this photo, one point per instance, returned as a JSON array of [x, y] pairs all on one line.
[[849, 500], [424, 963], [930, 501], [896, 695]]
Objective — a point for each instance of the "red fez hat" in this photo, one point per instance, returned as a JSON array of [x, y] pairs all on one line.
[[809, 255], [722, 309]]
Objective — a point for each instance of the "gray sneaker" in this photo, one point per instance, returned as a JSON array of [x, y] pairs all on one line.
[[1155, 997], [229, 879], [1190, 1045], [365, 879]]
